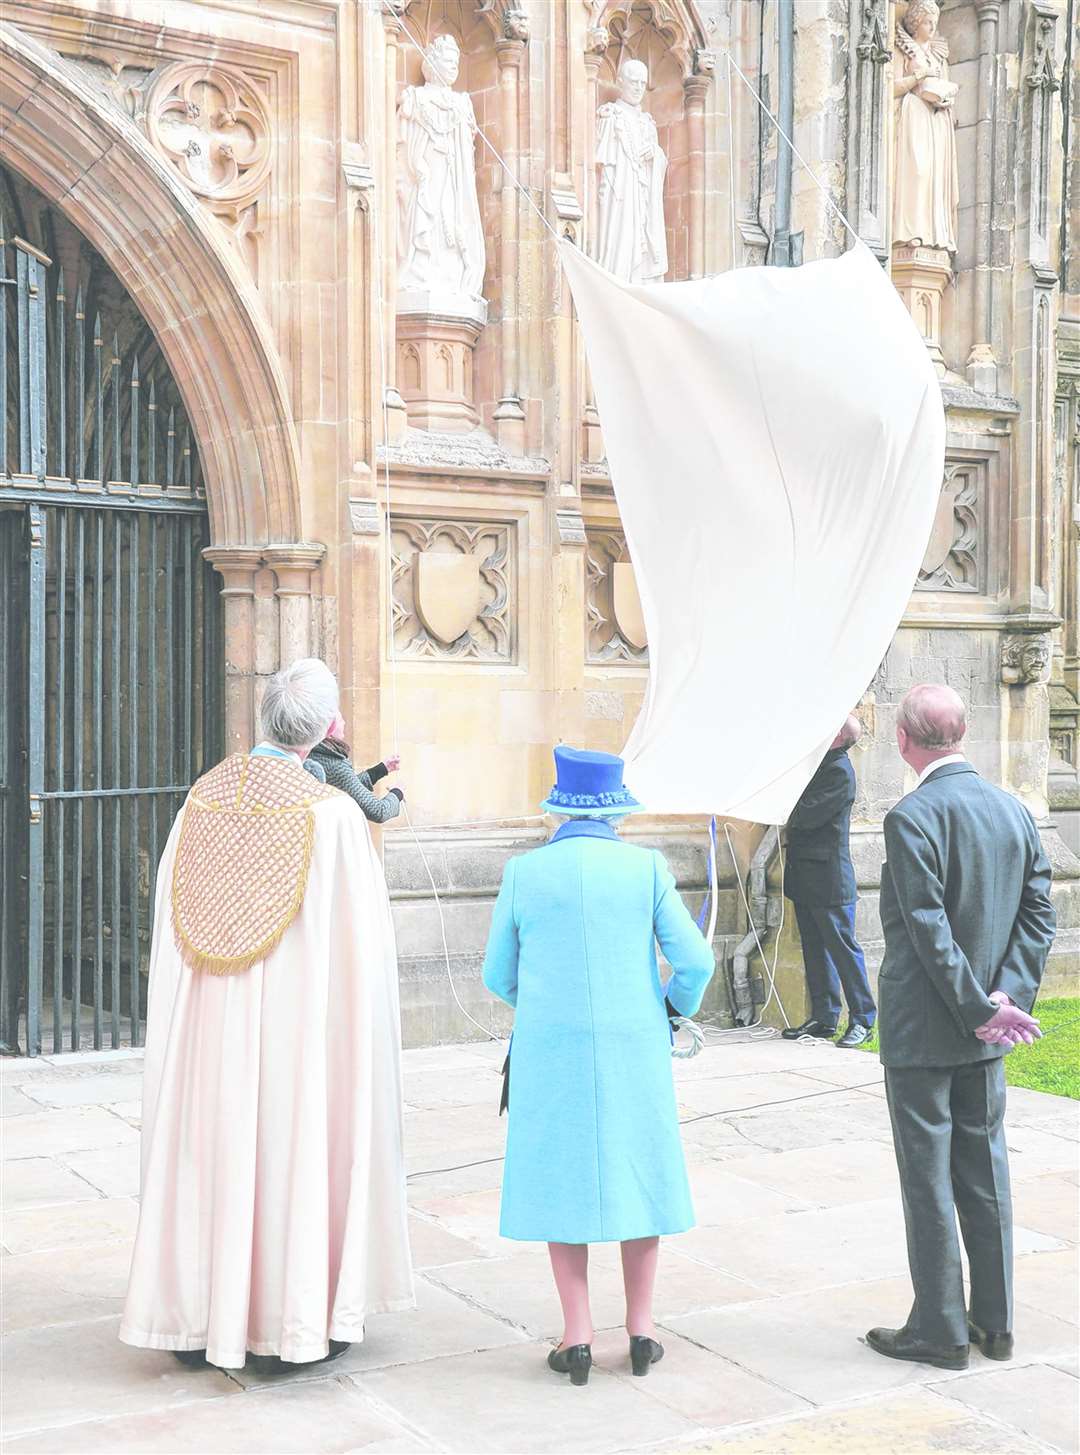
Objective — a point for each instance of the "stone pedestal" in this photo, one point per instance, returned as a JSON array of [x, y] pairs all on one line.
[[436, 337], [921, 276]]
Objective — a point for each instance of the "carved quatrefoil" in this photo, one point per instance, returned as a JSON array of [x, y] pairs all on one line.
[[212, 124]]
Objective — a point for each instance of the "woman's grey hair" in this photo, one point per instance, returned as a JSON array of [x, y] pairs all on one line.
[[300, 703], [933, 716]]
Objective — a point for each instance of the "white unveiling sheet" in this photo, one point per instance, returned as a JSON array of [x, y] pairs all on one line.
[[776, 440]]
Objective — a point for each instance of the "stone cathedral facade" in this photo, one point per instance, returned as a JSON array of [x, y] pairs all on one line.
[[398, 453]]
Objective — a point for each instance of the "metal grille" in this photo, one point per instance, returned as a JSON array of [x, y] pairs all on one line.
[[110, 638]]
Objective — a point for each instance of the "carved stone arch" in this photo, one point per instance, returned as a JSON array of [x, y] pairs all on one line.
[[645, 29], [93, 164]]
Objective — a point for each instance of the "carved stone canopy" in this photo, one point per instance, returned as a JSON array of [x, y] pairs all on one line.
[[213, 125]]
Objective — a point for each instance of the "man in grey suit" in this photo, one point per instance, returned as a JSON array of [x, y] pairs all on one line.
[[968, 923]]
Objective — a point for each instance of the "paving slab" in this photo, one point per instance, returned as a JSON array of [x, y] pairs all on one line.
[[478, 1084], [432, 1246], [1050, 1282], [474, 1216], [40, 1181], [318, 1418], [699, 1384], [14, 1102], [520, 1289], [1055, 1114], [721, 1192], [96, 1090], [1033, 1153], [62, 1374], [850, 1172], [914, 1422], [1039, 1401], [65, 1285], [524, 1406], [69, 1224], [1048, 1204], [810, 1344], [112, 1170], [439, 1325], [52, 1133], [734, 1093], [814, 1123]]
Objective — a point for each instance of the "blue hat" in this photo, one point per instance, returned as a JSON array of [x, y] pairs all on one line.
[[588, 784]]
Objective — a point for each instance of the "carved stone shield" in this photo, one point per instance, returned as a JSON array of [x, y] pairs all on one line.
[[447, 593], [942, 532], [626, 605]]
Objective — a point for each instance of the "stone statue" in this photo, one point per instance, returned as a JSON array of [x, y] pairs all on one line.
[[631, 241], [925, 186], [440, 237]]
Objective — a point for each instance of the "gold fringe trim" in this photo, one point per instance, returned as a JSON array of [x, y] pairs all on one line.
[[230, 886]]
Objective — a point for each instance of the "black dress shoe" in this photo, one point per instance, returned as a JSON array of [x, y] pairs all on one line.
[[191, 1358], [817, 1029], [993, 1345], [855, 1035], [268, 1365], [644, 1353], [899, 1344], [575, 1361]]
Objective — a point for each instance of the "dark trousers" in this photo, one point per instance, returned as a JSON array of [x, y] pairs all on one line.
[[949, 1132], [833, 958]]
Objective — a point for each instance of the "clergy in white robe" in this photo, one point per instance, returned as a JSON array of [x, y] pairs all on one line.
[[273, 1214]]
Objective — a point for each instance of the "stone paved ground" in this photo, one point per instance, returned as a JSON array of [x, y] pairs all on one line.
[[799, 1250]]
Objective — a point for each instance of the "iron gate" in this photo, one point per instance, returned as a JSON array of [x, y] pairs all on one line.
[[110, 635]]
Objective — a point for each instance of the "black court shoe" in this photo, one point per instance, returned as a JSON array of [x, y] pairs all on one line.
[[575, 1361], [644, 1353], [191, 1358], [993, 1345], [817, 1029]]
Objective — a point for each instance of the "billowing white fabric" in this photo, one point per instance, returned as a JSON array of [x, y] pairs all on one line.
[[776, 438], [273, 1209]]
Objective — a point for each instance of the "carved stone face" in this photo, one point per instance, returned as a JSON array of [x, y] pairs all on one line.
[[442, 62], [921, 20], [633, 78], [1034, 661]]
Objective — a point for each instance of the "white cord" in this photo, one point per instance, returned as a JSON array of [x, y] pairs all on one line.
[[770, 973]]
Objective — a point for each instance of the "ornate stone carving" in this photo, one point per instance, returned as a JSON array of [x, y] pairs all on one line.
[[507, 19], [648, 30], [631, 166], [452, 589], [873, 36], [1042, 76], [952, 560], [925, 182], [570, 527], [614, 628], [867, 103], [1025, 658], [213, 125]]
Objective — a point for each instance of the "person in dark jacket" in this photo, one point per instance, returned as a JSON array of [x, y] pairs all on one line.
[[329, 762], [968, 926], [820, 881]]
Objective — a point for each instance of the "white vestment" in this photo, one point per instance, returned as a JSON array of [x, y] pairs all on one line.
[[631, 235], [440, 235], [273, 1213]]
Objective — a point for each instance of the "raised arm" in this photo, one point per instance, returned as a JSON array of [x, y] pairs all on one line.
[[501, 957], [684, 946], [920, 892]]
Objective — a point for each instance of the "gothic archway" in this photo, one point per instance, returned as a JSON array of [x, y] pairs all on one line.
[[97, 168]]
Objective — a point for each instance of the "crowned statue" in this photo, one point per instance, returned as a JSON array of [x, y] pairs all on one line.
[[925, 185], [631, 239], [440, 237]]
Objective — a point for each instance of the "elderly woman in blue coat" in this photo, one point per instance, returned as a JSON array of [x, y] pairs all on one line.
[[593, 1152]]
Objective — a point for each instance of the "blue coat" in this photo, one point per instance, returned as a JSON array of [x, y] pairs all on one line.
[[593, 1151]]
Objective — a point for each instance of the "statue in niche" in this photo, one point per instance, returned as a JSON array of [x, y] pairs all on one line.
[[925, 187], [440, 237], [631, 241]]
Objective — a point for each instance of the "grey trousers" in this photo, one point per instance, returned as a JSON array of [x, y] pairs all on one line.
[[948, 1127]]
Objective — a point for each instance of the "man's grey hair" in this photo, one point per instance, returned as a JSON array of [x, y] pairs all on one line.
[[933, 716], [300, 703]]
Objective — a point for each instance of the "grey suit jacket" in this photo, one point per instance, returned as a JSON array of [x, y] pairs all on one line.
[[965, 907]]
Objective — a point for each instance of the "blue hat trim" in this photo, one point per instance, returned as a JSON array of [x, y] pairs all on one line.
[[589, 784]]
